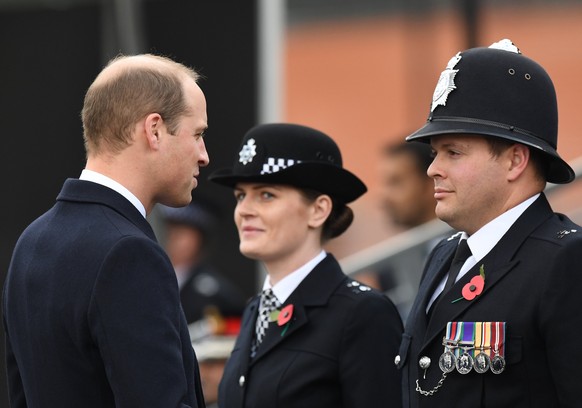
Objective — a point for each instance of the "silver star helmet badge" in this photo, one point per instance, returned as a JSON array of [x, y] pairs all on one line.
[[446, 83], [248, 151], [506, 45]]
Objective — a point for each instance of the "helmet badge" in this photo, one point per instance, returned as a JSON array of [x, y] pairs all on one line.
[[446, 83], [248, 151], [505, 45]]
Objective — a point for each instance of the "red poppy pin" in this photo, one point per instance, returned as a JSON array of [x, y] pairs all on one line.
[[474, 288], [283, 317]]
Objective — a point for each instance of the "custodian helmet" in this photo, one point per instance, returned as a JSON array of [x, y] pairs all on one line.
[[498, 92]]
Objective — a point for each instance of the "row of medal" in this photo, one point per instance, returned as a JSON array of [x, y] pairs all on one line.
[[478, 346]]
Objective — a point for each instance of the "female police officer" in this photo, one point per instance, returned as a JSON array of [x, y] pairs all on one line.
[[313, 337]]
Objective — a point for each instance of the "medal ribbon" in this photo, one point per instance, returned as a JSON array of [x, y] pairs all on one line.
[[498, 336], [478, 338], [468, 329], [452, 333], [457, 333], [487, 338]]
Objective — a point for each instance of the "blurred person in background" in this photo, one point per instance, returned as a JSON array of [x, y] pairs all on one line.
[[407, 193], [212, 352], [407, 197], [91, 305], [496, 322], [313, 337], [204, 292]]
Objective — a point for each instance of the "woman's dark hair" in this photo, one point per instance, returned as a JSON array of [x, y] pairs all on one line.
[[339, 219]]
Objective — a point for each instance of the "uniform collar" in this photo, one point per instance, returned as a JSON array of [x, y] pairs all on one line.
[[289, 283], [485, 239]]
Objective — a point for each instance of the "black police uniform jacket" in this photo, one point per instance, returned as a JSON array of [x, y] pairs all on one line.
[[92, 311], [533, 278], [338, 350]]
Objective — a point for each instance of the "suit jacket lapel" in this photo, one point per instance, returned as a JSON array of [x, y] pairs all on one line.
[[276, 335], [437, 268], [497, 264], [314, 291]]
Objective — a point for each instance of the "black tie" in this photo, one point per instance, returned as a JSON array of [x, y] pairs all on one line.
[[463, 252]]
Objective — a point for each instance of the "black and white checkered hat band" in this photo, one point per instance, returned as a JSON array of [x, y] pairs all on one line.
[[273, 165]]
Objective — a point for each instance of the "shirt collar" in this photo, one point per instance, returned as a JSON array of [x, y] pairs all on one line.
[[93, 176], [289, 283], [483, 241]]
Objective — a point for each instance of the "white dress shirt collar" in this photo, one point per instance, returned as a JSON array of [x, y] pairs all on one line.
[[90, 175], [289, 283], [484, 240]]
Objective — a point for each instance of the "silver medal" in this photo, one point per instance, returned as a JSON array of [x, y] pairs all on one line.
[[447, 361], [464, 363], [497, 364], [482, 363]]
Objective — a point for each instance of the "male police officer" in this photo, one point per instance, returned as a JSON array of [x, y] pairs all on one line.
[[499, 325]]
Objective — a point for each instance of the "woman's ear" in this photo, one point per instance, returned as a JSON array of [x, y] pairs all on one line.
[[320, 210]]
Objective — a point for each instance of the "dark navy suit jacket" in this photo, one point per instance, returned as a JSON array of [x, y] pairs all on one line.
[[92, 311], [338, 350], [533, 278]]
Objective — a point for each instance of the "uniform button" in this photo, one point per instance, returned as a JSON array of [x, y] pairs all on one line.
[[397, 360], [424, 362], [241, 381]]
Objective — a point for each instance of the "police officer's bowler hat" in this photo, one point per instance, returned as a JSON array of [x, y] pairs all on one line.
[[282, 153], [498, 92]]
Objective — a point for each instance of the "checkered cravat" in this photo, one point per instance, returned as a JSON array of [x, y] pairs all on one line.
[[269, 302]]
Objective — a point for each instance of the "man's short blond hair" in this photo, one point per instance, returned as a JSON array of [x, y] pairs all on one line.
[[127, 90]]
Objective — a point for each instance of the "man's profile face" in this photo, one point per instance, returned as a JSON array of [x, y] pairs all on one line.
[[470, 185]]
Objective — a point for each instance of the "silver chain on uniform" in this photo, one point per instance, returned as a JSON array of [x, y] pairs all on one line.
[[269, 302], [434, 390]]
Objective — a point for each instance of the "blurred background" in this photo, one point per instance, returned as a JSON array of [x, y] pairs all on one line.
[[362, 71]]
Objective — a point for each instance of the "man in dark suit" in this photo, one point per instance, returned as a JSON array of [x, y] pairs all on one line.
[[496, 321], [91, 305]]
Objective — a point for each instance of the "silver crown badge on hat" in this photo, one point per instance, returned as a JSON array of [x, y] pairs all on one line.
[[271, 165], [446, 83], [248, 151]]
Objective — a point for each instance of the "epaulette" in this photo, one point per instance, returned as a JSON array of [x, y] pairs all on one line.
[[561, 234], [357, 287]]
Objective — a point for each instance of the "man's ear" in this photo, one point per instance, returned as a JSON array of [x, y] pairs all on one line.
[[519, 156], [153, 129], [321, 208]]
